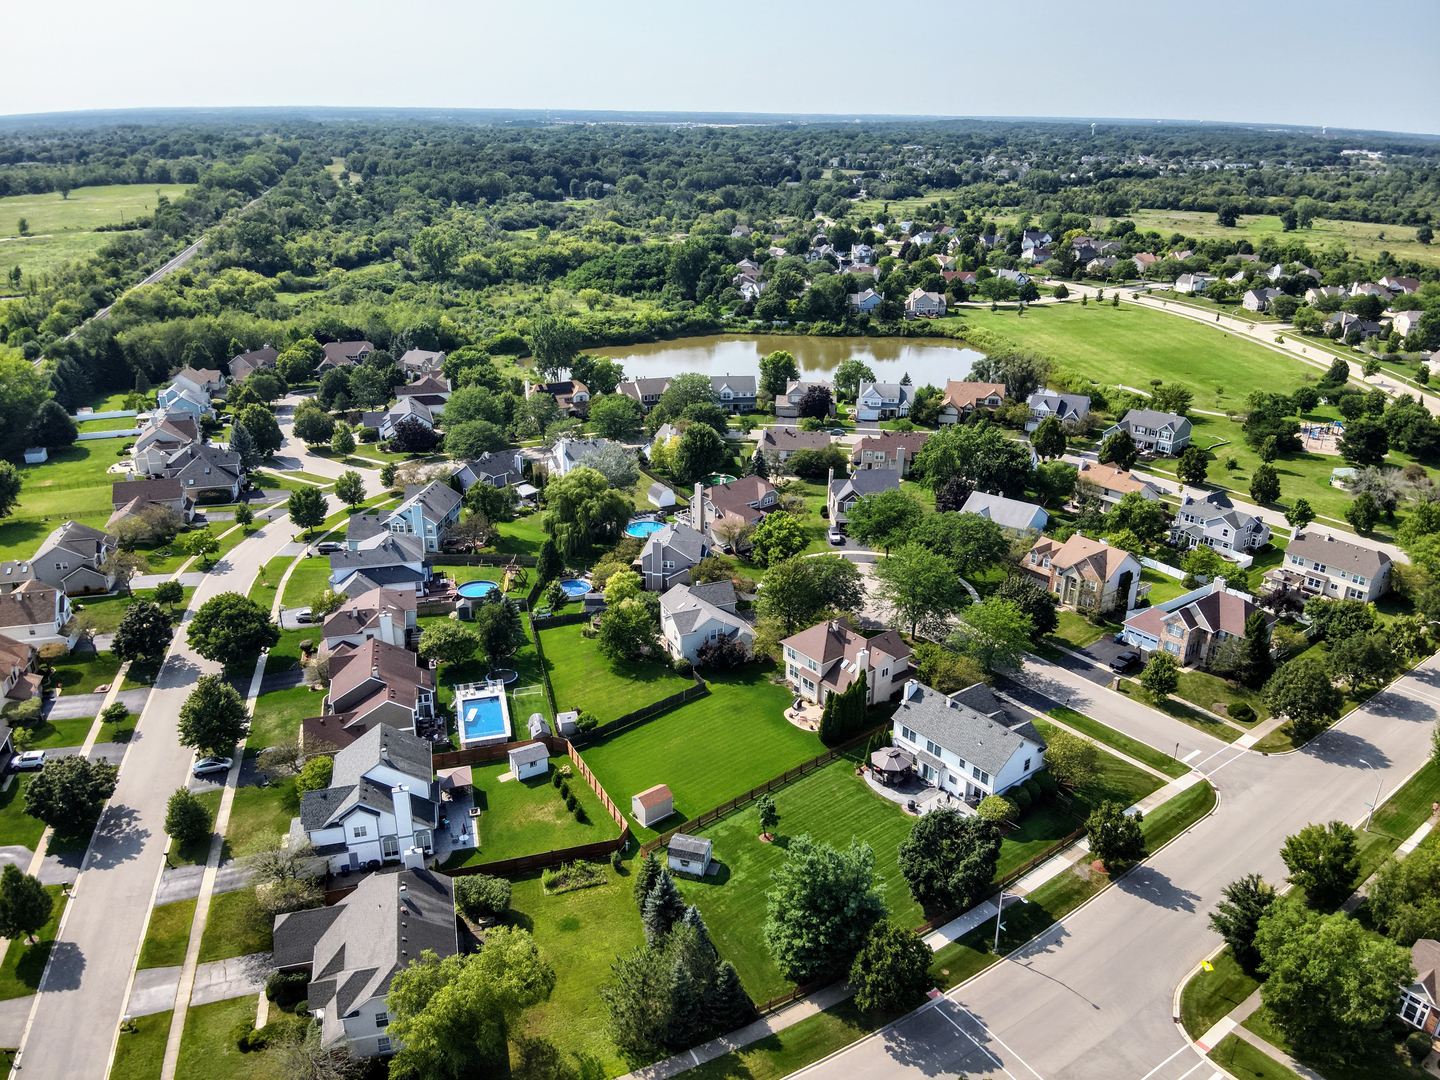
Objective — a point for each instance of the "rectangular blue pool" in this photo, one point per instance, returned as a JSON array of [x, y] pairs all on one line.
[[483, 716]]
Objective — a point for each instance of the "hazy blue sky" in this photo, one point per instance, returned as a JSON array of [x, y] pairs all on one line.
[[1282, 62]]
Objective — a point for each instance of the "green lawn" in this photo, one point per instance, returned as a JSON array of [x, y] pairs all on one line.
[[580, 933], [1390, 1063], [1119, 781], [16, 826], [54, 734], [310, 577], [793, 1048], [1075, 631], [168, 934], [103, 613], [1246, 1062], [207, 1047], [85, 672], [523, 536], [71, 484], [140, 1053], [707, 750], [1211, 995], [262, 591], [25, 964], [121, 732], [1178, 710], [1108, 736], [1174, 816], [1163, 587], [584, 679], [259, 815], [61, 230], [278, 715], [1407, 809], [526, 817], [1219, 695], [236, 926]]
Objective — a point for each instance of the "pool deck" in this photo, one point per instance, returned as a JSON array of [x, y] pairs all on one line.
[[468, 692]]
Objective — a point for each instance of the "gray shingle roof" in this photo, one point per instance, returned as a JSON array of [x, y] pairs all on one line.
[[680, 539], [1007, 513], [865, 482], [437, 498], [684, 846], [687, 608], [1340, 554], [1153, 419], [395, 550], [978, 739], [524, 755]]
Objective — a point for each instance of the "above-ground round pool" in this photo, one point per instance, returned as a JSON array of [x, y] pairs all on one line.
[[718, 478], [474, 589], [574, 587], [643, 529]]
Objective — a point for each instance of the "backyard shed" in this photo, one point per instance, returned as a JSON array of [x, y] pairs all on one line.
[[661, 496], [689, 854], [532, 759], [36, 454], [538, 726], [567, 723], [652, 805]]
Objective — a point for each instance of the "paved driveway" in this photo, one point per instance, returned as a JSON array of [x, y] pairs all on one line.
[[74, 706]]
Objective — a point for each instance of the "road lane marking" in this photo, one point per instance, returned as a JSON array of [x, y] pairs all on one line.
[[976, 1042], [1192, 754], [999, 1040], [1162, 1064]]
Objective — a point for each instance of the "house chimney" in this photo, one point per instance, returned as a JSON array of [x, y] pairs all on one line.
[[830, 478], [404, 825], [697, 509]]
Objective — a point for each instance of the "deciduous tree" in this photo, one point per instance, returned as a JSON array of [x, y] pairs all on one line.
[[350, 488], [778, 537], [1161, 675], [885, 519], [995, 633], [230, 628], [918, 587], [1302, 691], [213, 718], [448, 643], [25, 906], [144, 631], [948, 860], [1115, 837], [186, 819], [821, 908], [1073, 760], [69, 793], [1237, 917], [307, 507], [1324, 861], [891, 972]]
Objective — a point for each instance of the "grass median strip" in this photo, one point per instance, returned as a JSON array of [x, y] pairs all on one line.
[[1212, 995], [1108, 736]]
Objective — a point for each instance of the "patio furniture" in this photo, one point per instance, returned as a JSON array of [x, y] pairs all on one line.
[[891, 763]]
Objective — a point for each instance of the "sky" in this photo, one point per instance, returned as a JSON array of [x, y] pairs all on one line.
[[1278, 62]]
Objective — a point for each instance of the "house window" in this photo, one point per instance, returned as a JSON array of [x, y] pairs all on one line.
[[885, 673], [382, 1020], [979, 774], [1172, 648], [359, 831], [389, 847], [1414, 1010], [1175, 630], [812, 665], [383, 1044], [1027, 765], [933, 748], [789, 653], [907, 734], [808, 685], [794, 672]]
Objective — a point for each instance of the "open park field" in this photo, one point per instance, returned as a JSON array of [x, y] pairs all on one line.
[[72, 484], [61, 230]]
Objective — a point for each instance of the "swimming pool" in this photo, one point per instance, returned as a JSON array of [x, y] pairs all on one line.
[[483, 715], [475, 589], [643, 529], [718, 478], [574, 587]]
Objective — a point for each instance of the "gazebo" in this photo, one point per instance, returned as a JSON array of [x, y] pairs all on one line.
[[891, 763]]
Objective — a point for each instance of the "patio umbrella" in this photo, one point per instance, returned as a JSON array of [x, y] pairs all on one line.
[[891, 760]]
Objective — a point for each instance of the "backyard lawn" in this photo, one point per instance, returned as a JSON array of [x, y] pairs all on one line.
[[527, 817], [1075, 631], [708, 750], [585, 680], [523, 536], [73, 483], [581, 933]]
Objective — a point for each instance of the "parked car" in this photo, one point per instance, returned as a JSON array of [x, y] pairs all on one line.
[[836, 537], [330, 547], [28, 760], [305, 615], [1124, 660], [209, 766], [836, 431]]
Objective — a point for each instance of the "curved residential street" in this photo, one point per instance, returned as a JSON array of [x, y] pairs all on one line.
[[1090, 999]]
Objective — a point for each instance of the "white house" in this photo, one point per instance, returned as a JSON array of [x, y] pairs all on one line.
[[1259, 299], [1212, 520], [181, 398], [1012, 515], [734, 393], [1164, 433], [693, 615], [354, 948], [380, 806], [1320, 565], [37, 614], [1405, 323], [1190, 284], [532, 759], [1020, 280], [202, 380], [966, 743], [384, 560], [922, 304], [826, 658], [652, 805], [689, 854], [882, 401], [569, 454]]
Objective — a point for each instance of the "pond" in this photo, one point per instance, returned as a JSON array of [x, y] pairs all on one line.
[[891, 359]]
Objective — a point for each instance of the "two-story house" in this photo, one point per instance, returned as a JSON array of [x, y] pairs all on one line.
[[254, 360], [788, 404], [966, 743], [1069, 409], [572, 395], [734, 393], [694, 615], [569, 454], [132, 496], [205, 470], [892, 451], [354, 948], [645, 391], [342, 354], [380, 807], [386, 614], [1013, 515], [882, 401], [1259, 300], [669, 555], [384, 560], [963, 398], [178, 399], [865, 303], [1153, 431], [72, 559], [1190, 626], [842, 495], [19, 681], [34, 613], [159, 439], [202, 380], [827, 657], [744, 501], [1085, 574], [385, 421], [375, 682], [1420, 1001], [1319, 565], [1115, 483], [427, 512], [924, 305], [432, 391], [777, 444], [417, 363], [499, 468], [1212, 519]]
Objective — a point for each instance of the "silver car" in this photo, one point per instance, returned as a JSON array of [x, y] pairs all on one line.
[[210, 766], [28, 760]]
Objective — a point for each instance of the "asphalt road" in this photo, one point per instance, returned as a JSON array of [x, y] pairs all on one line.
[[1091, 998]]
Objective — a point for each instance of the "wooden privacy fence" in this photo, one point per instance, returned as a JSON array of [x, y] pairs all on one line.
[[794, 995], [568, 619], [709, 817], [601, 849], [481, 559]]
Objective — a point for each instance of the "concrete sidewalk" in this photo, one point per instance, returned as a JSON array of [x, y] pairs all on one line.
[[219, 980]]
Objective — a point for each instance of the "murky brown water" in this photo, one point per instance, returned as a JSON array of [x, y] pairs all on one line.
[[818, 357]]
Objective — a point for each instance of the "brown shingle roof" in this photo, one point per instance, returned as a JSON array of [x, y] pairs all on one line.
[[653, 797], [963, 395], [29, 604], [736, 496], [887, 441], [352, 666], [787, 440]]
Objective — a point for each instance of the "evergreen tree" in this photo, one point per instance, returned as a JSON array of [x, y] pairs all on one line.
[[693, 919], [547, 566], [758, 465], [1257, 665], [646, 875], [663, 909], [686, 996], [727, 1006], [828, 733], [243, 443], [1237, 917]]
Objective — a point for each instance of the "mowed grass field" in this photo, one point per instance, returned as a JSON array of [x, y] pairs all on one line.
[[585, 680], [73, 483], [61, 230]]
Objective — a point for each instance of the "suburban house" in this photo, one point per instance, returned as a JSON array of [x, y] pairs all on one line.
[[865, 303], [1191, 625], [37, 614], [1115, 483], [499, 468], [19, 681], [966, 743], [922, 304], [890, 450], [339, 354], [734, 393], [645, 391], [1084, 573], [744, 501], [685, 854], [1320, 292], [1320, 565], [826, 658], [177, 399], [1012, 515], [246, 362], [384, 614], [692, 615], [882, 401], [1405, 323], [417, 363], [788, 404], [1280, 270], [1190, 284], [572, 395], [652, 805], [201, 380], [1212, 519], [1067, 408], [1348, 323], [963, 398], [427, 512], [384, 422], [432, 391], [842, 495], [130, 497], [354, 948], [669, 555], [1160, 432], [1016, 276], [779, 443], [568, 454], [379, 807], [1259, 300], [158, 440], [1420, 1002], [386, 560], [376, 682], [71, 559], [1143, 260], [204, 469]]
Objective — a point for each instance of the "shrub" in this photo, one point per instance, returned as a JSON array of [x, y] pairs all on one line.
[[587, 721], [1046, 782], [1021, 798], [681, 665], [564, 789], [997, 808], [556, 779], [481, 895], [1417, 1045], [616, 861], [1242, 711], [286, 987], [580, 816], [306, 644], [1033, 789], [578, 875], [571, 802]]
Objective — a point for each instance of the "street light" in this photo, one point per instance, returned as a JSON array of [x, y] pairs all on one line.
[[999, 909], [1371, 816]]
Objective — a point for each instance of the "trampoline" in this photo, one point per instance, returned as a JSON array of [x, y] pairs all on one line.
[[642, 529], [476, 589], [503, 675]]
